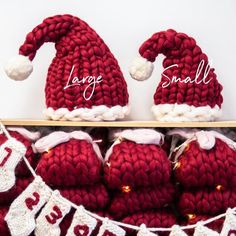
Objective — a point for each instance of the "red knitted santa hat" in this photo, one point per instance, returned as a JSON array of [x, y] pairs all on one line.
[[84, 80], [136, 159], [69, 159], [205, 159], [188, 90]]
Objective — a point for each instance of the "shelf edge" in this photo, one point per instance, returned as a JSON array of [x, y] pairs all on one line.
[[147, 124]]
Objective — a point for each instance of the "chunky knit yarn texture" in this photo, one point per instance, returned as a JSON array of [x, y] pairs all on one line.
[[84, 80]]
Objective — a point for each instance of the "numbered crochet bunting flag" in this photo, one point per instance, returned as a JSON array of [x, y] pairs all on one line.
[[21, 215], [110, 229], [229, 227], [11, 153], [48, 221], [82, 224]]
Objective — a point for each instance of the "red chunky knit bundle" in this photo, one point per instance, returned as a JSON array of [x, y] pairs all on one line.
[[141, 200], [93, 197], [21, 169], [70, 164], [206, 202], [138, 171], [206, 172], [202, 168], [136, 165], [163, 218]]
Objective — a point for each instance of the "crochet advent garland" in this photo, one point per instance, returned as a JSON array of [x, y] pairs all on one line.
[[138, 201]]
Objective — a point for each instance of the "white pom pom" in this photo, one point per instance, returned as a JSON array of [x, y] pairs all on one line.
[[19, 68], [141, 69]]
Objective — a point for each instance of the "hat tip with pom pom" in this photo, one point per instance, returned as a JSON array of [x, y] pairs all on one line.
[[141, 69], [19, 68]]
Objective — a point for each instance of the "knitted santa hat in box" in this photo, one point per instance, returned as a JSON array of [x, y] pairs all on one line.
[[205, 159], [69, 159], [188, 90], [84, 80], [136, 159]]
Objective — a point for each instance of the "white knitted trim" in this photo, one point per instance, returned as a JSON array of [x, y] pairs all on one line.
[[55, 138], [25, 133], [96, 113], [142, 136], [183, 112]]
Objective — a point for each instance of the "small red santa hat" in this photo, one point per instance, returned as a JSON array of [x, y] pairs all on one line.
[[84, 80], [188, 90]]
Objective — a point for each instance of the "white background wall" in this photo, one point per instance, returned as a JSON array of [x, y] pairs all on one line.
[[123, 25]]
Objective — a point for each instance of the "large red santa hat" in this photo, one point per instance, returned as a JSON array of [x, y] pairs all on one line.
[[188, 89], [84, 80]]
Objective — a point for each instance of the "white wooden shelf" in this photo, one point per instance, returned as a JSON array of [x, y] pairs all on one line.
[[154, 124]]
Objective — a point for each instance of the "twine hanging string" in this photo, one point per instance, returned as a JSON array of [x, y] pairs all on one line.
[[133, 227]]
